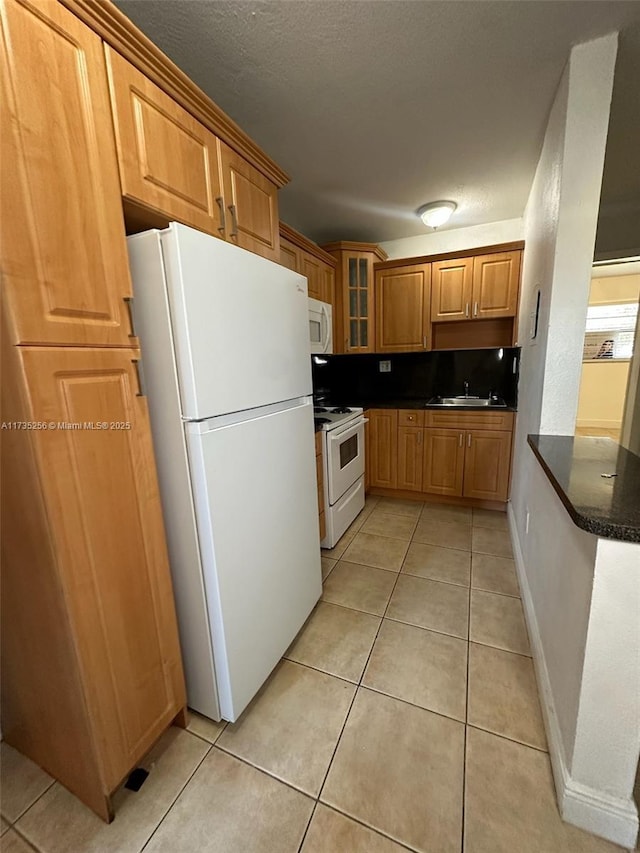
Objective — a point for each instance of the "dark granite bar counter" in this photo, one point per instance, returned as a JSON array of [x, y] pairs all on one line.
[[604, 506]]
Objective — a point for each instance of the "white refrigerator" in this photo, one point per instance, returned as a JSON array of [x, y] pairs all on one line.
[[226, 367]]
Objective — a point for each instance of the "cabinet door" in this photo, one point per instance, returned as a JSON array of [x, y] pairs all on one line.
[[451, 289], [443, 466], [65, 265], [168, 160], [311, 269], [103, 505], [403, 309], [289, 255], [487, 464], [329, 278], [383, 447], [358, 302], [410, 445], [252, 206], [496, 281]]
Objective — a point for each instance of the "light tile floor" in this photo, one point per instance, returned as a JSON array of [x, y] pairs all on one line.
[[404, 716]]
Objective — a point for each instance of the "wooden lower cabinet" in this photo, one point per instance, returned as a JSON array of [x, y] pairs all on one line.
[[487, 464], [383, 447], [443, 469], [465, 455], [410, 453], [91, 665]]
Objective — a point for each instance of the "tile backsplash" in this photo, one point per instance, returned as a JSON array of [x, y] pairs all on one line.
[[367, 379]]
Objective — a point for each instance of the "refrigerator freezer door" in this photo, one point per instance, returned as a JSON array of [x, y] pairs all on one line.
[[240, 325], [256, 507]]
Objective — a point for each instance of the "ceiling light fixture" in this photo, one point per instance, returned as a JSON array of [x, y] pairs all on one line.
[[436, 213]]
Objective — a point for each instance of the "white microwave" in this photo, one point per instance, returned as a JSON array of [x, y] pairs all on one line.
[[320, 326]]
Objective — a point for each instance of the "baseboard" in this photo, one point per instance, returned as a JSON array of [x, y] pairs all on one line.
[[612, 818], [599, 424], [592, 810]]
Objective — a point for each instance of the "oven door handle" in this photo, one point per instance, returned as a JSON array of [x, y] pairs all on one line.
[[336, 435]]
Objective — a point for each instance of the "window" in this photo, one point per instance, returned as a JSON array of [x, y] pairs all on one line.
[[610, 331]]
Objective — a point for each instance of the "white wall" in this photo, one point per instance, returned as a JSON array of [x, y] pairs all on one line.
[[556, 562], [558, 559], [455, 239], [559, 231], [603, 387], [581, 597]]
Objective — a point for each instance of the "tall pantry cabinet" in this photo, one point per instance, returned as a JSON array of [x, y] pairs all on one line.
[[91, 669]]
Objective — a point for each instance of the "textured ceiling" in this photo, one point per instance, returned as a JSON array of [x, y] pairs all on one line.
[[375, 107]]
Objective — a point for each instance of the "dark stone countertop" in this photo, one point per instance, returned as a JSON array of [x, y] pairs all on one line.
[[606, 507], [420, 404]]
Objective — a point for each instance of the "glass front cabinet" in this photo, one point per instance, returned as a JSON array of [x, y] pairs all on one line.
[[354, 324]]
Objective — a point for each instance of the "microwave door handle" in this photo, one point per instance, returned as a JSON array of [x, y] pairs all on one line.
[[325, 328]]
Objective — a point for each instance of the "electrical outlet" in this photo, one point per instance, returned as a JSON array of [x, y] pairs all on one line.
[[384, 366], [526, 522]]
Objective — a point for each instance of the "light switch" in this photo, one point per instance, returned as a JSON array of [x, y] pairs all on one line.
[[384, 366]]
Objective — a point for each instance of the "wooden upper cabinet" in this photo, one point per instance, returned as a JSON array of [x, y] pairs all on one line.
[[496, 281], [251, 204], [168, 160], [403, 309], [289, 255], [487, 465], [354, 296], [329, 276], [108, 536], [383, 450], [302, 255], [451, 289], [64, 253], [443, 467], [312, 270]]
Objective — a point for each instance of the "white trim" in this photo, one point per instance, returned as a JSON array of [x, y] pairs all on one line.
[[592, 810], [599, 424]]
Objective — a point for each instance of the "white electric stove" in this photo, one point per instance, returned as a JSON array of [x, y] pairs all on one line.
[[343, 460]]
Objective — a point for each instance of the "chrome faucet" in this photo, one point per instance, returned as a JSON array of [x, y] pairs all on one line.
[[466, 388]]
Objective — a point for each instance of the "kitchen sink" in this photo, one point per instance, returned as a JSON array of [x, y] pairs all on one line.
[[466, 402]]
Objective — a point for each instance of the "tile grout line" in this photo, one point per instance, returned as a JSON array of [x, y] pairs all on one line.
[[12, 824], [358, 685], [23, 837], [403, 844], [466, 712], [307, 827], [178, 795]]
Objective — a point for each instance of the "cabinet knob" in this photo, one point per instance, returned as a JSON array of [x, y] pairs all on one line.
[[460, 440], [469, 439], [466, 310], [475, 309]]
